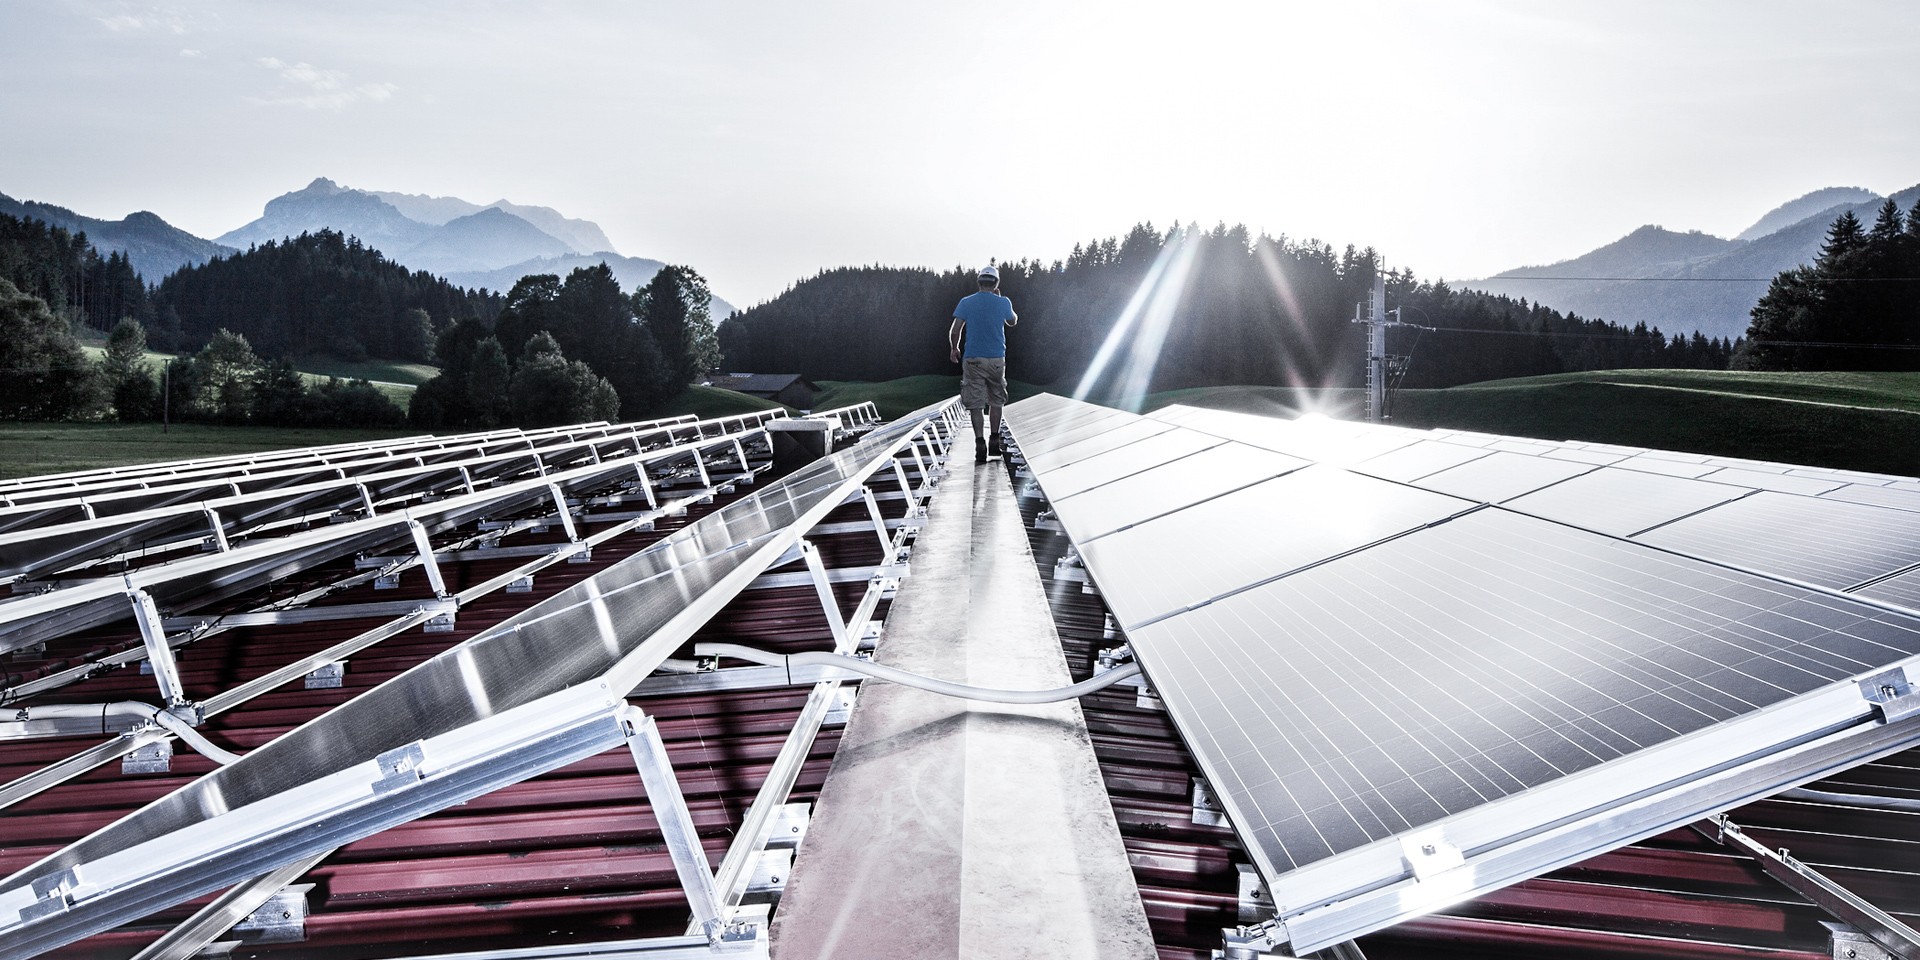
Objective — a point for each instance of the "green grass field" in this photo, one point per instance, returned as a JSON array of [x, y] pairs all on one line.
[[396, 380], [706, 402], [33, 449], [1857, 421]]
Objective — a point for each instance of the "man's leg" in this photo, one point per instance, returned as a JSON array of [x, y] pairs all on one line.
[[980, 438], [993, 438]]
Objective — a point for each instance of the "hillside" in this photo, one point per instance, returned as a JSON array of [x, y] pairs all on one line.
[[481, 240], [1854, 421], [155, 247], [1692, 281], [1820, 203]]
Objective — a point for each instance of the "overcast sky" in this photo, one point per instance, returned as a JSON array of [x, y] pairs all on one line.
[[762, 141]]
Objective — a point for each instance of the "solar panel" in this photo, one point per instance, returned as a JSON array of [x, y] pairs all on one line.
[[1402, 703], [1827, 542], [1073, 428], [1769, 480], [1671, 468], [1903, 589], [1892, 497], [1175, 484], [1410, 463], [1622, 502], [1229, 542], [585, 646], [1125, 459], [1376, 694], [1578, 455], [1320, 439], [1502, 476], [1098, 439]]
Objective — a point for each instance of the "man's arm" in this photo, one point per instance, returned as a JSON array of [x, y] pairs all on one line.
[[953, 338], [1013, 319]]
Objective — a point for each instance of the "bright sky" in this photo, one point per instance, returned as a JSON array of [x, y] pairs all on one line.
[[762, 140]]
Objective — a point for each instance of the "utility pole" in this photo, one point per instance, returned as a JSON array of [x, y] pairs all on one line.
[[1380, 366]]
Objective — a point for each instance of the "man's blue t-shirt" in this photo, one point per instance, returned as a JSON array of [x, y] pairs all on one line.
[[986, 314]]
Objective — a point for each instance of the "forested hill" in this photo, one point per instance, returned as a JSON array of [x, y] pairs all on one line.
[[318, 293], [69, 274], [1212, 308]]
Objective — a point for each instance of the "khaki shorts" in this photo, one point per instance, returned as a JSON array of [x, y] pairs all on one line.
[[983, 382]]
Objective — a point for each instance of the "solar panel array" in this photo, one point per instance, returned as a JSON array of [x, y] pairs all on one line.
[[1384, 628]]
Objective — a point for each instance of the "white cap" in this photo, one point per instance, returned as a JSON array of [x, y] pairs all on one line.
[[990, 272]]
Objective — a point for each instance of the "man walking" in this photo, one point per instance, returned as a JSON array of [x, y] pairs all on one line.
[[983, 319]]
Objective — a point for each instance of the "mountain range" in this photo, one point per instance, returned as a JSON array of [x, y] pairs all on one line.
[[1682, 282], [154, 246], [471, 245]]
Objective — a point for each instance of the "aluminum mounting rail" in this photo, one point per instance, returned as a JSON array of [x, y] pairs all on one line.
[[227, 486], [531, 694], [204, 578], [134, 480], [53, 548]]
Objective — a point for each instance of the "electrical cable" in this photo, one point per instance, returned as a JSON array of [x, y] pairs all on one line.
[[1907, 804], [1703, 279], [133, 708], [894, 675]]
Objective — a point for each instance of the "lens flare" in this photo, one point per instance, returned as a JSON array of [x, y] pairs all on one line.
[[1126, 359]]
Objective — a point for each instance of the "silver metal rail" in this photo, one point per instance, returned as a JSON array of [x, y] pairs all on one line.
[[528, 695]]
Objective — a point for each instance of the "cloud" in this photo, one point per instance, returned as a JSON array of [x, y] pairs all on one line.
[[316, 88], [194, 54], [136, 20]]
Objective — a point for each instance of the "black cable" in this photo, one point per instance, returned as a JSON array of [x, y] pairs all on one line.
[[1508, 276]]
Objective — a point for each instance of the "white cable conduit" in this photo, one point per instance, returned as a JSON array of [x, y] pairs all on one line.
[[131, 708], [894, 675]]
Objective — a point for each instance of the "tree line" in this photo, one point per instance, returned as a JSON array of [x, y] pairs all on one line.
[[631, 352], [317, 293], [1856, 307], [1210, 308], [505, 359], [45, 375], [66, 272]]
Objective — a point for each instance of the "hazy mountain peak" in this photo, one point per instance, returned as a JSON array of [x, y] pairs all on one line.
[[1800, 208], [428, 209], [1648, 251]]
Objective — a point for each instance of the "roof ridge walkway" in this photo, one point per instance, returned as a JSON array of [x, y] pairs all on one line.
[[952, 828]]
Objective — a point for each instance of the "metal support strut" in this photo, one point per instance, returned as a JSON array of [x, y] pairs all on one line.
[[678, 831]]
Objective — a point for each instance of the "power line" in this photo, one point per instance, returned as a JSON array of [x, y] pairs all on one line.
[[1834, 344], [1509, 276]]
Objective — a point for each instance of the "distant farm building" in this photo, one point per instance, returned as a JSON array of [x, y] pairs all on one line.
[[791, 389]]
